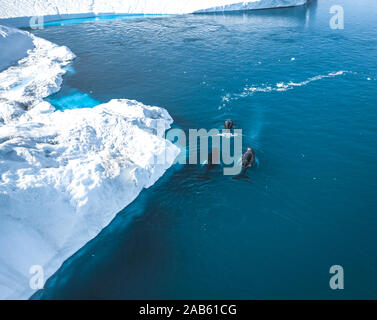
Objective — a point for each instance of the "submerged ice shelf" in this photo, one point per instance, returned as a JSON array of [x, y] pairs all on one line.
[[65, 175]]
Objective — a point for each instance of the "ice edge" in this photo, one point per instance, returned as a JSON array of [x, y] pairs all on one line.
[[65, 175]]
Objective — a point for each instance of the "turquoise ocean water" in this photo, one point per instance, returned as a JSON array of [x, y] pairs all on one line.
[[305, 96]]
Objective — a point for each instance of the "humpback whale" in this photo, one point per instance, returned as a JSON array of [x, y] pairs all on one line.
[[212, 162], [228, 124], [248, 160]]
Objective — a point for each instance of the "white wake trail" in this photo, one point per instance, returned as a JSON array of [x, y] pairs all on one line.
[[258, 112], [278, 87]]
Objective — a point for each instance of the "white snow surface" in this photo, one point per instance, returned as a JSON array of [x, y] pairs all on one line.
[[57, 9], [65, 175]]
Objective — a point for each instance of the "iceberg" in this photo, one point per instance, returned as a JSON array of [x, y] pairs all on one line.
[[25, 84], [65, 175], [18, 12]]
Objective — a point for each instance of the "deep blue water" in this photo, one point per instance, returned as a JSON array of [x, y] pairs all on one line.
[[312, 202]]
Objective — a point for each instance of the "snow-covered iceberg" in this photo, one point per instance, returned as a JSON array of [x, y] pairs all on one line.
[[24, 85], [60, 9], [65, 175]]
